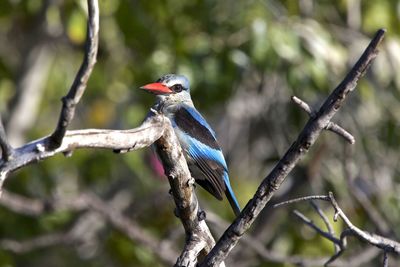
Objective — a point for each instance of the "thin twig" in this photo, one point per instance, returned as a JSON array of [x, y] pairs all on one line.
[[79, 85], [312, 225], [337, 129], [385, 244], [291, 201], [358, 259], [303, 105], [381, 242], [299, 148], [331, 126], [328, 225]]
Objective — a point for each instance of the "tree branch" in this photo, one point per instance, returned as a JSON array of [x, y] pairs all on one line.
[[198, 236], [357, 259], [331, 126], [79, 85], [383, 243], [143, 136], [35, 243], [327, 223], [299, 148], [378, 241], [90, 203]]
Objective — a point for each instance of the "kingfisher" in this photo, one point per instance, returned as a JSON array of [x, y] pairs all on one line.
[[198, 141]]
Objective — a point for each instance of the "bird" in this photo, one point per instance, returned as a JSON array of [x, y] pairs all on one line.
[[200, 147]]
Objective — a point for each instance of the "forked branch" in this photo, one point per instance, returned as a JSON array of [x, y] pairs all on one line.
[[315, 125], [79, 85]]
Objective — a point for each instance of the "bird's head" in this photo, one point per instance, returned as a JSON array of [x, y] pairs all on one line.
[[171, 87]]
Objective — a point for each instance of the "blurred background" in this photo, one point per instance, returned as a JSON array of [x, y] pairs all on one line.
[[245, 59]]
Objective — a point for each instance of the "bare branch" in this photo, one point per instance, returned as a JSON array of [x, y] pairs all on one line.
[[378, 241], [385, 244], [198, 236], [35, 243], [299, 148], [79, 85], [6, 149], [358, 259], [20, 204], [131, 229], [325, 219], [303, 105], [90, 203], [311, 224], [142, 136], [331, 126], [291, 201], [335, 128]]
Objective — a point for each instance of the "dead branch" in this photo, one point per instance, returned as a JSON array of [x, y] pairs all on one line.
[[35, 243], [357, 259], [383, 243], [331, 126], [143, 136], [79, 85], [386, 244], [199, 240], [198, 237], [299, 148], [84, 202]]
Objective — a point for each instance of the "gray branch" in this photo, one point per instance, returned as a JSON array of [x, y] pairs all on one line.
[[331, 126], [156, 128], [328, 225], [383, 243], [299, 148], [84, 202], [386, 244], [142, 136], [357, 259], [79, 85], [199, 240]]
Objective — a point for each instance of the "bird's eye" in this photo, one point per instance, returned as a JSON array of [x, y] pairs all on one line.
[[177, 88]]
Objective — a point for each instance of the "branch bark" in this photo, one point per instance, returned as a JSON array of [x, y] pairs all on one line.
[[79, 85], [381, 242], [199, 240], [143, 136], [299, 148]]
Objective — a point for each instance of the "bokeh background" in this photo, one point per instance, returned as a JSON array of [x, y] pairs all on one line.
[[244, 60]]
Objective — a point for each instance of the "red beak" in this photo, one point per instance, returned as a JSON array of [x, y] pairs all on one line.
[[156, 88]]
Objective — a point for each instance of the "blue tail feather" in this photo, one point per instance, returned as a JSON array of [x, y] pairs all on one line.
[[231, 196]]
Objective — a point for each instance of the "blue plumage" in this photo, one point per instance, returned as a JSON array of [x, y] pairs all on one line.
[[203, 154]]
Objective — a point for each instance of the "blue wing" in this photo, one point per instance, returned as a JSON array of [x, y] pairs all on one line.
[[207, 164]]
